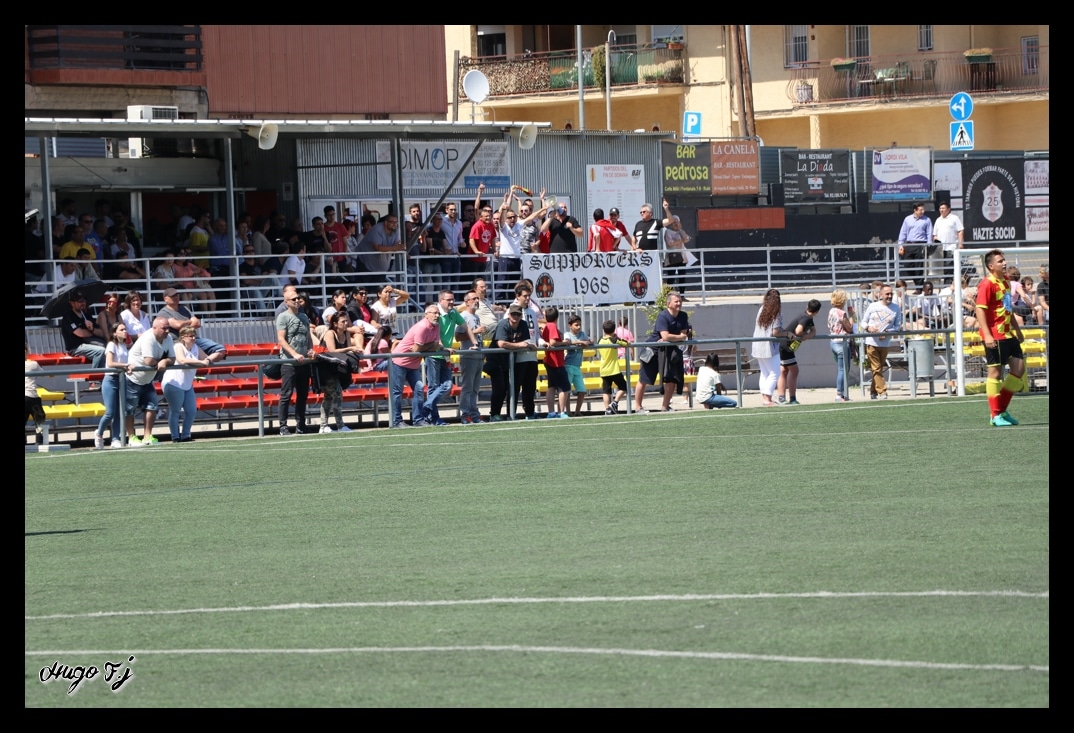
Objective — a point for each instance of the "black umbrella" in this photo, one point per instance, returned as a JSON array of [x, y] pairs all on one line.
[[59, 304]]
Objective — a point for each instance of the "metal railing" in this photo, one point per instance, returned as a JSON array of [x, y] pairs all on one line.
[[918, 75], [717, 272]]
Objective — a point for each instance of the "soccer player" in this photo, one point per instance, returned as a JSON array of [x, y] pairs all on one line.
[[1002, 338]]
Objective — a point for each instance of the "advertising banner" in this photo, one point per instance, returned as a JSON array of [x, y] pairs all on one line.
[[722, 168], [598, 278], [901, 174], [815, 176], [433, 164], [736, 168], [994, 203], [686, 168]]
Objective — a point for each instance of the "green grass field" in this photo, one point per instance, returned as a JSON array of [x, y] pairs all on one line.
[[867, 555]]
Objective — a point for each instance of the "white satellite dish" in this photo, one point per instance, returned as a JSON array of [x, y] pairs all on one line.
[[476, 86], [527, 136]]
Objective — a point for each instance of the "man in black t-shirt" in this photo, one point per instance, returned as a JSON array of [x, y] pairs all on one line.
[[648, 232], [81, 334], [564, 231], [803, 329]]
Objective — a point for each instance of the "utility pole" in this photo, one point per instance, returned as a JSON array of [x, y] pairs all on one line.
[[743, 81], [747, 82], [735, 67]]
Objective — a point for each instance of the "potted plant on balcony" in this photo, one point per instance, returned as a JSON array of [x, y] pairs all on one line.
[[978, 55], [841, 64]]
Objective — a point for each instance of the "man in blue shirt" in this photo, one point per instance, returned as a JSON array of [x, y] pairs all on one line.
[[915, 237], [221, 249]]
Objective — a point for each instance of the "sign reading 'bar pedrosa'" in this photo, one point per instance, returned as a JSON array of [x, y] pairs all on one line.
[[724, 168]]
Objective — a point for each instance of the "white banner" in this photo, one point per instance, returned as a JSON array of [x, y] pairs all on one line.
[[432, 165], [599, 278]]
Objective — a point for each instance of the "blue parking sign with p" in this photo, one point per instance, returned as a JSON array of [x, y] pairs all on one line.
[[691, 123]]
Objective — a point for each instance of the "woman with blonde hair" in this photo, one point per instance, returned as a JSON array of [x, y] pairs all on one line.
[[769, 325], [840, 323], [178, 385]]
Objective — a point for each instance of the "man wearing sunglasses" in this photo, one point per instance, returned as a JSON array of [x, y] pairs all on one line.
[[423, 336], [81, 334]]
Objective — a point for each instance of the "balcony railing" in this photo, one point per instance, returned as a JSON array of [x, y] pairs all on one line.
[[557, 71], [918, 75], [146, 47]]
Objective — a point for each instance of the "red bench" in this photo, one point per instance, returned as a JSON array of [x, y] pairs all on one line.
[[58, 359]]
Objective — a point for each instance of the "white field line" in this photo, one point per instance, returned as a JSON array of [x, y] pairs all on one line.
[[517, 649], [575, 599]]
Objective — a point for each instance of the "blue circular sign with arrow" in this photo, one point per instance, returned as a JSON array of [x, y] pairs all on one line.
[[961, 107]]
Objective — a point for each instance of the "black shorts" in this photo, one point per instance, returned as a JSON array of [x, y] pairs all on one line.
[[648, 370], [557, 378], [615, 380], [1004, 351]]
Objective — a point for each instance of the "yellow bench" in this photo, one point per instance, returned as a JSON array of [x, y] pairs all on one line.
[[1029, 334], [47, 395], [1028, 347], [72, 412]]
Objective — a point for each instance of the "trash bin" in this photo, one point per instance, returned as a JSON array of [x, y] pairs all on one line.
[[919, 362], [804, 92]]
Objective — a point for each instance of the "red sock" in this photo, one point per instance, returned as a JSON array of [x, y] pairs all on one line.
[[994, 388]]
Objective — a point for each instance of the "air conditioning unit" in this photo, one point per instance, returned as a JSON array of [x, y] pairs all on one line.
[[147, 112]]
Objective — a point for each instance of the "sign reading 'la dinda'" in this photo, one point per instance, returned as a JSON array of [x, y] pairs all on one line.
[[728, 167], [597, 277]]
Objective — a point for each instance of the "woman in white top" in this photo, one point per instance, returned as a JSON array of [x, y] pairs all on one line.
[[178, 385], [164, 276], [137, 320], [388, 298], [115, 355], [769, 325]]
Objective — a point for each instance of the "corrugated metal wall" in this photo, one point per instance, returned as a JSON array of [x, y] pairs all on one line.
[[557, 162]]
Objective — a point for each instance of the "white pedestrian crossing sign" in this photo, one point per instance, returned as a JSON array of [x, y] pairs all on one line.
[[962, 135]]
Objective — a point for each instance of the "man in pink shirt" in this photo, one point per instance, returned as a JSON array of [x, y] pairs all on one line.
[[423, 336]]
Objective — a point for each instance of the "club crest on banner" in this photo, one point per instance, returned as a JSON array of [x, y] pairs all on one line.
[[545, 286], [992, 203], [639, 284]]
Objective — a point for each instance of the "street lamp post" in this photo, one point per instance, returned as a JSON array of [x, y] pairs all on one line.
[[608, 79]]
